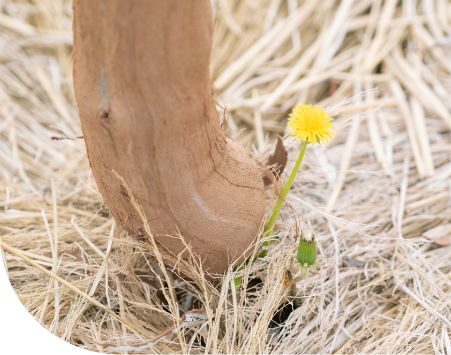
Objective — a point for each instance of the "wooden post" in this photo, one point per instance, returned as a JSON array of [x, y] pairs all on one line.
[[145, 97]]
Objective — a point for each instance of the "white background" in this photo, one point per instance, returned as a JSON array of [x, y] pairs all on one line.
[[20, 333]]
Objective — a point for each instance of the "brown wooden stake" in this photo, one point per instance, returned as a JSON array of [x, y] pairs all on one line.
[[145, 97]]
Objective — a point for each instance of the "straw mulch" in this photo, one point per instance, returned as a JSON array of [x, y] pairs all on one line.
[[378, 197]]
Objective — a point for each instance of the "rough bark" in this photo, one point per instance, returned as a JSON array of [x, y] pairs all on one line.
[[144, 93]]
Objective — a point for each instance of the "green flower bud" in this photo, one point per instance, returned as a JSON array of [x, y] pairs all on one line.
[[306, 254]]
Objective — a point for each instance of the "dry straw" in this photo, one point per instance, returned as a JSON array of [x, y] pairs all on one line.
[[381, 68]]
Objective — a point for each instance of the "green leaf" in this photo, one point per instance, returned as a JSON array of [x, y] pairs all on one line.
[[236, 283]]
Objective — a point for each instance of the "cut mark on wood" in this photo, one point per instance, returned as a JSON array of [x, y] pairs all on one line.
[[207, 211], [104, 96]]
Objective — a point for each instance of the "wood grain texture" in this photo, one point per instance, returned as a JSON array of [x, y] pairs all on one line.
[[145, 97]]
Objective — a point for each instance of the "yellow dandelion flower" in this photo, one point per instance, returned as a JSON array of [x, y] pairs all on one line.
[[311, 124]]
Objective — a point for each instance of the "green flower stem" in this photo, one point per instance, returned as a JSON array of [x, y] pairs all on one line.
[[275, 214]]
